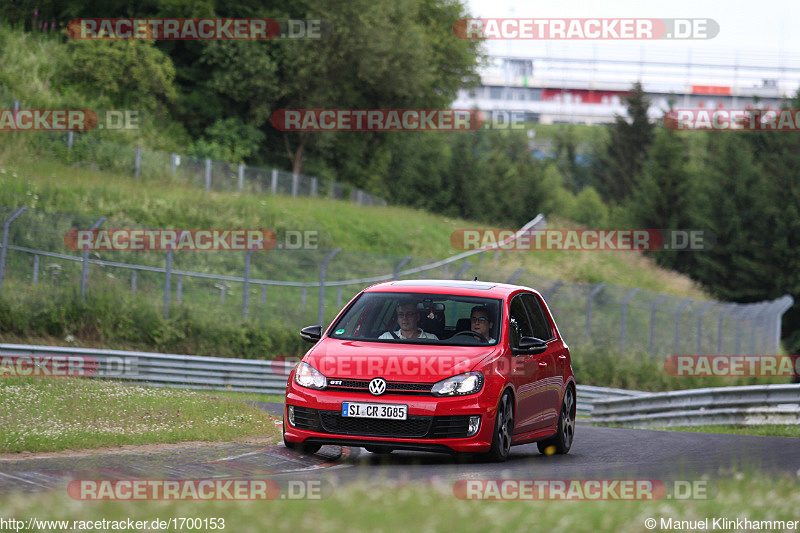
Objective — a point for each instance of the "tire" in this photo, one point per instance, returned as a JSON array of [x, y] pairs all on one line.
[[561, 442], [379, 450], [503, 430]]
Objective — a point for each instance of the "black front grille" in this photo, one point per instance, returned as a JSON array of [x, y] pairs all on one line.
[[392, 387], [421, 427]]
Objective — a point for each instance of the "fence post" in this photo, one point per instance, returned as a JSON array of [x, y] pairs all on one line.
[[274, 184], [263, 294], [179, 289], [35, 269], [4, 249], [208, 174], [624, 325], [173, 164], [708, 306], [729, 308], [339, 297], [138, 162], [463, 269], [515, 275], [246, 292], [70, 139], [295, 184], [784, 303], [167, 280], [85, 267], [304, 297], [314, 186], [134, 275], [323, 270], [681, 307], [240, 184], [653, 323], [557, 285], [589, 299], [403, 262]]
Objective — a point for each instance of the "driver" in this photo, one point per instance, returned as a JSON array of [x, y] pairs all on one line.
[[408, 318], [481, 324]]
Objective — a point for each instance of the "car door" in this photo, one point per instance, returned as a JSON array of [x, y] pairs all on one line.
[[554, 363], [529, 373]]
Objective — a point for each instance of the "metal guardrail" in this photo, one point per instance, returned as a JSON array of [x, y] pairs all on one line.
[[747, 405], [755, 404]]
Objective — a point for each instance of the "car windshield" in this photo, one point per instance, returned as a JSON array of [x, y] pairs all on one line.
[[444, 319]]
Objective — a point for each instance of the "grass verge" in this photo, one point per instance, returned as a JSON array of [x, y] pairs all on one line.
[[52, 414], [768, 430]]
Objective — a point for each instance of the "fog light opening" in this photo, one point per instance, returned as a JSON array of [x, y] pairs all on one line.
[[474, 426], [290, 408]]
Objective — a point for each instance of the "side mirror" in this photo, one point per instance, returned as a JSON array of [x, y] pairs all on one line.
[[531, 345], [311, 333]]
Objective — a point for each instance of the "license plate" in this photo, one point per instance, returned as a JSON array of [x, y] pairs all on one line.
[[374, 410]]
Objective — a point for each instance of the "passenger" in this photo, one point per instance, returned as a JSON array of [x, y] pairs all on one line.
[[481, 323], [408, 318]]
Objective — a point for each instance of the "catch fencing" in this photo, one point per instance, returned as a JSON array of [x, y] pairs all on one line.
[[306, 286], [97, 152]]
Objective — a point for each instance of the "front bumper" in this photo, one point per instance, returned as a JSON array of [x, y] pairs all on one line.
[[433, 424]]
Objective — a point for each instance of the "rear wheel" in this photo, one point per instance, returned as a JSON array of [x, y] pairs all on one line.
[[503, 429], [561, 442]]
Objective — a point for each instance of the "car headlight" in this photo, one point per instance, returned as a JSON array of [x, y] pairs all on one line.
[[467, 383], [308, 376]]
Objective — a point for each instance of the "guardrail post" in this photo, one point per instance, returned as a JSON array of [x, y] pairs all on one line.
[[403, 262], [35, 269], [4, 248], [138, 172], [589, 299], [653, 323], [323, 270], [676, 343], [208, 174], [708, 306], [246, 292], [273, 187], [85, 266], [240, 182], [515, 275], [624, 317]]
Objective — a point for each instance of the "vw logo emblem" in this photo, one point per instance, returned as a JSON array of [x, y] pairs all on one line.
[[377, 386]]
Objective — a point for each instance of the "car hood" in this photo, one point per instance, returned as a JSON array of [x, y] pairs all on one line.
[[409, 362]]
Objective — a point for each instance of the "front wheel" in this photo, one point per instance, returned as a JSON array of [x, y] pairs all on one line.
[[302, 447], [503, 429], [561, 442]]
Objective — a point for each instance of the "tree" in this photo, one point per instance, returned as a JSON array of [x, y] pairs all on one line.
[[618, 165]]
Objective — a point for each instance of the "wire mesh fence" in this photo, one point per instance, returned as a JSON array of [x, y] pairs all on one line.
[[306, 286]]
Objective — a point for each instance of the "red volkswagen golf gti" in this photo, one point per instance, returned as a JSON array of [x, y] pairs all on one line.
[[435, 365]]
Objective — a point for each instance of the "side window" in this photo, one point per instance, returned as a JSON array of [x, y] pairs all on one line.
[[518, 324], [541, 327]]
